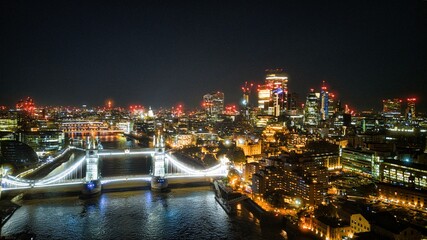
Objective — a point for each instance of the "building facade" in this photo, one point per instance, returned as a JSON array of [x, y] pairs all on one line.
[[213, 103], [273, 95], [311, 109]]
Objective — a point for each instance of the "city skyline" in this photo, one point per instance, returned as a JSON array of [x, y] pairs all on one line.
[[154, 53]]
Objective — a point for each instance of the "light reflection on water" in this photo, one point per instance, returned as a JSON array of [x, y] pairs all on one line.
[[117, 141], [188, 213]]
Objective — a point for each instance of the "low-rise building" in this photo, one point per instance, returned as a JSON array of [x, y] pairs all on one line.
[[408, 174], [402, 195], [331, 228], [359, 223], [249, 148], [357, 160]]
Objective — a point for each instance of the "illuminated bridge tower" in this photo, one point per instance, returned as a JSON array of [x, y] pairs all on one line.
[[158, 181], [92, 184]]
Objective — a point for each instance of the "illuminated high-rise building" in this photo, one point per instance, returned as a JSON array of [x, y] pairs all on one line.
[[264, 97], [410, 109], [213, 103], [338, 107], [392, 106], [273, 95], [311, 111], [277, 81], [331, 105], [292, 101], [324, 102]]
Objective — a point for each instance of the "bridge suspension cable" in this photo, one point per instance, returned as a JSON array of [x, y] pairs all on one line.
[[61, 175], [219, 169]]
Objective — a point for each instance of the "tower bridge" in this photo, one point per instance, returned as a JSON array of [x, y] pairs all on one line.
[[166, 168]]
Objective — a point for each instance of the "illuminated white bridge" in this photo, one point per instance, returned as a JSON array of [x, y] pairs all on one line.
[[165, 166]]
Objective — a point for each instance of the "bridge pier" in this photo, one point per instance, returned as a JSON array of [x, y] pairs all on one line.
[[158, 181], [92, 185]]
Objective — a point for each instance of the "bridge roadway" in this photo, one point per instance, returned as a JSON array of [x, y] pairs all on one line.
[[116, 152], [60, 184], [119, 183]]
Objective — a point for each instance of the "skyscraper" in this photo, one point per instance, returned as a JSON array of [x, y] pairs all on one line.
[[410, 109], [324, 102], [213, 103], [311, 112], [277, 81], [264, 97], [293, 100], [331, 105], [273, 95]]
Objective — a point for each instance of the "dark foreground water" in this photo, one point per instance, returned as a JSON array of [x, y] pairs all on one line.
[[187, 213]]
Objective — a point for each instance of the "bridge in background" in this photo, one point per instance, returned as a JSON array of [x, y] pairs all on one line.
[[165, 168]]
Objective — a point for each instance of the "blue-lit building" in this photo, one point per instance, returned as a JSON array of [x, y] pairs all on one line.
[[324, 103]]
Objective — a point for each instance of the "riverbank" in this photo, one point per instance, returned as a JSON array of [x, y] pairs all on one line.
[[7, 208]]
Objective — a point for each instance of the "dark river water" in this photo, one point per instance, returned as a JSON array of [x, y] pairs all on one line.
[[184, 213]]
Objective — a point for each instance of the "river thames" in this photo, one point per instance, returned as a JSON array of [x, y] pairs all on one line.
[[185, 213]]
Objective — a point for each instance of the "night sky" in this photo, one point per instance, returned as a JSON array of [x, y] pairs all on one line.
[[159, 53]]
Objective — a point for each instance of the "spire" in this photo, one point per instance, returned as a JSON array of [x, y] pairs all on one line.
[[94, 143], [91, 143], [158, 139]]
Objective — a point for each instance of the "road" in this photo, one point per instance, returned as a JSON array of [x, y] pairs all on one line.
[[49, 167]]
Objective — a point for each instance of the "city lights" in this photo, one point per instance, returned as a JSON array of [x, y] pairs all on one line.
[[213, 120]]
